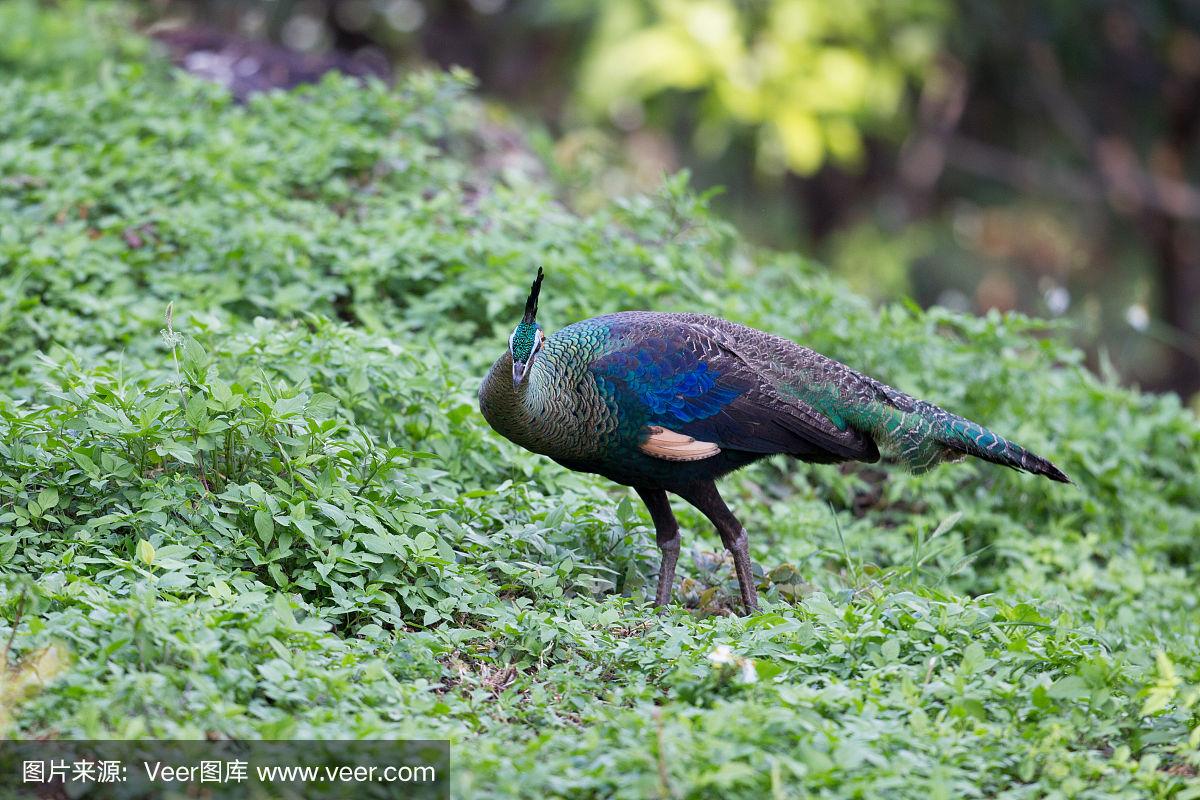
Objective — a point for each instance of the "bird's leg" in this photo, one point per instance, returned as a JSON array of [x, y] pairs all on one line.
[[666, 534], [705, 497]]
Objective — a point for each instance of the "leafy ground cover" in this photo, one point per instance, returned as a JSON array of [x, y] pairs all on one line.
[[245, 490]]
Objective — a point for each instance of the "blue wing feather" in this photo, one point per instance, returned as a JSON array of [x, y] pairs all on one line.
[[689, 384], [674, 386]]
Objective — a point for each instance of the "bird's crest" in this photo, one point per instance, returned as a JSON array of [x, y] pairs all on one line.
[[527, 337], [531, 303]]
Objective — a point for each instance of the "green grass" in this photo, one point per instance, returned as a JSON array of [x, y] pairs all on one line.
[[280, 514]]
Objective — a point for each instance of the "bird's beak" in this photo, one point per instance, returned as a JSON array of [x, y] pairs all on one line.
[[519, 371]]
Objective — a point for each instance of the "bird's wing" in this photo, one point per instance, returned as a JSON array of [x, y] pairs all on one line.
[[691, 380]]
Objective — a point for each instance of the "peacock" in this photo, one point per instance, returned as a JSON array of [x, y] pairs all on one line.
[[670, 402]]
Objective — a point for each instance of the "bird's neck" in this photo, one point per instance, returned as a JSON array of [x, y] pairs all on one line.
[[543, 413], [514, 411]]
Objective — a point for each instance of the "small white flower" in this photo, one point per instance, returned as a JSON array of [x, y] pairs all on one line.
[[1058, 299], [749, 673], [721, 655], [1138, 317]]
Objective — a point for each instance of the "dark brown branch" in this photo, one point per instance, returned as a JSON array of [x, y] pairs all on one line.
[[1060, 104], [1021, 172], [1123, 184], [939, 110]]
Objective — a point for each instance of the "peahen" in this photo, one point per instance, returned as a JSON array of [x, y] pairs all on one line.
[[671, 402]]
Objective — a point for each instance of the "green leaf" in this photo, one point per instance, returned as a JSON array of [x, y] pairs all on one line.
[[946, 524], [265, 525], [283, 608], [219, 590], [973, 658], [177, 450], [193, 356], [220, 391], [85, 463], [277, 575], [424, 543], [196, 413], [321, 405], [47, 499], [287, 407], [890, 649], [1070, 687]]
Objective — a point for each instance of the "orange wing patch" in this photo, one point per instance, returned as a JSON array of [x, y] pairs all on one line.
[[672, 446]]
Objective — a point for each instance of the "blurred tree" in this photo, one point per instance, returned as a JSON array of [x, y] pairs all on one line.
[[807, 77], [1089, 113]]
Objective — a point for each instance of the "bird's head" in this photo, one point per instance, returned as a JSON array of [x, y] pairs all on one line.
[[527, 338]]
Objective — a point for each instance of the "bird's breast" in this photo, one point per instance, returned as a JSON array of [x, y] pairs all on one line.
[[557, 411]]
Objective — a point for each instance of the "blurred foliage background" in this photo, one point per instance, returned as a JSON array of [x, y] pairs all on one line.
[[1019, 155]]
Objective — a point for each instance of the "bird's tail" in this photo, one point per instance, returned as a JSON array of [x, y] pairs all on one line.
[[923, 435], [964, 436]]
